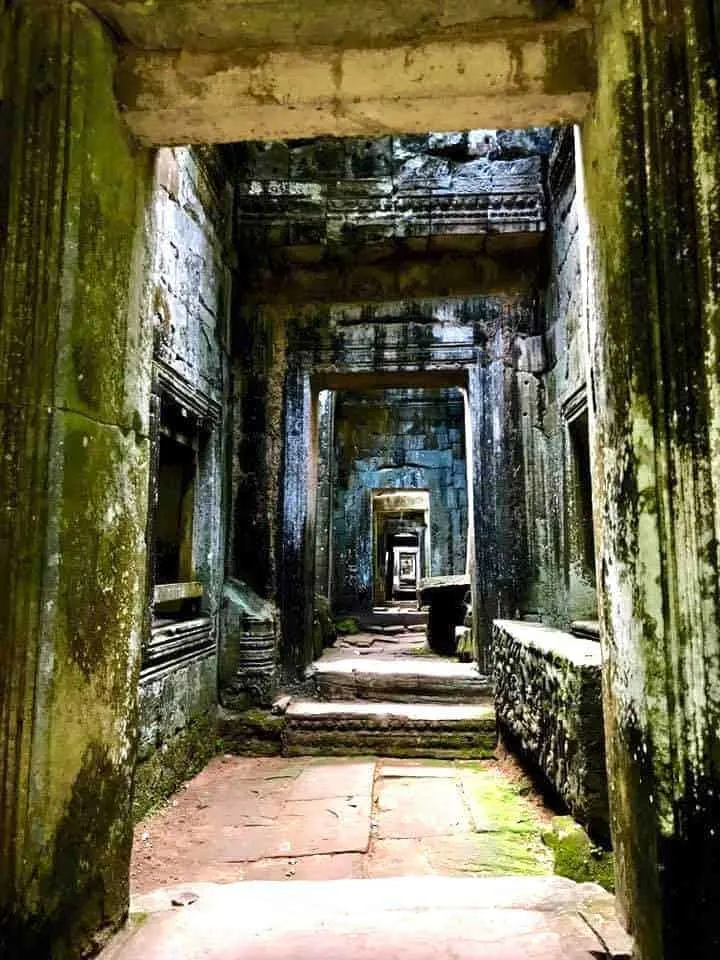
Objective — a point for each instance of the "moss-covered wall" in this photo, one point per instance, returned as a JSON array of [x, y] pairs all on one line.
[[651, 163], [75, 362], [551, 412], [186, 304]]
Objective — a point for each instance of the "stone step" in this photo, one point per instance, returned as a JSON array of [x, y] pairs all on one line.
[[389, 729], [408, 918], [414, 679], [392, 616]]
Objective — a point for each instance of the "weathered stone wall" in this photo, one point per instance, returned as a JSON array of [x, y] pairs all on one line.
[[411, 438], [188, 288], [332, 221], [339, 192], [346, 250], [75, 373], [548, 698], [551, 386], [652, 171]]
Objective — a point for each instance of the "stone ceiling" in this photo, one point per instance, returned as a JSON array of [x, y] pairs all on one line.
[[220, 71]]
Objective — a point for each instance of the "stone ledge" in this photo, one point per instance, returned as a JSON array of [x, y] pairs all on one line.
[[548, 700], [553, 644]]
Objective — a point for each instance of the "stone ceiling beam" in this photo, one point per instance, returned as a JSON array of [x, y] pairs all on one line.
[[536, 73], [224, 25], [348, 279]]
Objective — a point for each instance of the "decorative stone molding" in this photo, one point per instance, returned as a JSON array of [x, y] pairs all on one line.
[[248, 648], [175, 645]]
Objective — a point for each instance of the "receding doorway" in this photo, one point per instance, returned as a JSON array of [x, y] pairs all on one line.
[[401, 542]]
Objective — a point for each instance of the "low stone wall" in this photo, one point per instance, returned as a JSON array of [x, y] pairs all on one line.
[[177, 729], [548, 699]]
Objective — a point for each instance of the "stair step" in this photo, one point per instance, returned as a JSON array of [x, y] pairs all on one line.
[[417, 678], [386, 617], [390, 729]]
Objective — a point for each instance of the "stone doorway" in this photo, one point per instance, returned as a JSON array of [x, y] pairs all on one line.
[[401, 543]]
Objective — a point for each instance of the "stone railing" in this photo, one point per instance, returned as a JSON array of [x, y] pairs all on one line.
[[548, 700]]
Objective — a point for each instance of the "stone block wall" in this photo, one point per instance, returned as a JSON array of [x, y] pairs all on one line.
[[397, 438], [553, 450], [548, 701], [334, 192], [186, 304]]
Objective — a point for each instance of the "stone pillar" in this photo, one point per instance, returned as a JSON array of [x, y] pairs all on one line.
[[497, 523], [74, 381], [260, 351], [652, 169], [325, 493], [297, 539]]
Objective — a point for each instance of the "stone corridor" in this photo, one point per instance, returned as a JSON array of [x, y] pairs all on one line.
[[208, 868], [306, 306]]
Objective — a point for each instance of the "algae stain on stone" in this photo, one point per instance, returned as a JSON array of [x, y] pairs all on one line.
[[508, 825]]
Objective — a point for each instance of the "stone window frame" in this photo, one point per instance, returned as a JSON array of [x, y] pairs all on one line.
[[193, 636], [573, 409]]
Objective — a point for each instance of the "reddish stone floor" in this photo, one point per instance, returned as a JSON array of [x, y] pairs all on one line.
[[405, 859], [247, 818]]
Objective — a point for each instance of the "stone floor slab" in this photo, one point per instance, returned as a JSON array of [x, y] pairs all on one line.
[[338, 778], [397, 858], [415, 769], [420, 918], [487, 854], [336, 866], [306, 828], [419, 808], [495, 803]]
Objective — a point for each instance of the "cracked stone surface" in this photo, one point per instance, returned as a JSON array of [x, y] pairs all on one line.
[[390, 858], [274, 818]]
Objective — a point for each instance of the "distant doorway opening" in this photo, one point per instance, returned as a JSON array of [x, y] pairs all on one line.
[[401, 543]]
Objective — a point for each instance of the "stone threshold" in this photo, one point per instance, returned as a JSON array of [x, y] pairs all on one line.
[[412, 679]]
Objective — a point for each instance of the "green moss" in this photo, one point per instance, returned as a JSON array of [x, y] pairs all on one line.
[[99, 586], [264, 721], [176, 761], [577, 857], [110, 183], [347, 626], [82, 882], [251, 733], [506, 854], [324, 629]]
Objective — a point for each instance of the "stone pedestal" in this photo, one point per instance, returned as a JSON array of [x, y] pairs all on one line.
[[445, 599], [248, 649]]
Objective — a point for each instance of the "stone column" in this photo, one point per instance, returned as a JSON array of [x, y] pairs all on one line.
[[325, 493], [297, 539], [651, 165], [74, 380], [260, 351]]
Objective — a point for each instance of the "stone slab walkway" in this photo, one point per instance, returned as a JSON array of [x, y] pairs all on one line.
[[248, 818], [405, 859]]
